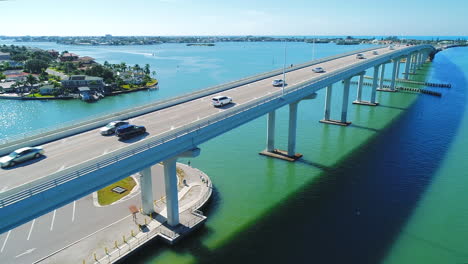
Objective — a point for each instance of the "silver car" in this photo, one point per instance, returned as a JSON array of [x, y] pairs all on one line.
[[110, 128], [21, 155]]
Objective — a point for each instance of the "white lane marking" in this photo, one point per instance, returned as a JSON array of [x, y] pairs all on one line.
[[30, 230], [73, 214], [4, 189], [172, 127], [29, 251], [105, 152], [61, 168], [4, 242], [53, 220]]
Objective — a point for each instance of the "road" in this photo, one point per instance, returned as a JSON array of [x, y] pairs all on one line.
[[75, 149]]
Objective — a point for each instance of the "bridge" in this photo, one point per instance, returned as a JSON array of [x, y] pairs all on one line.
[[80, 161]]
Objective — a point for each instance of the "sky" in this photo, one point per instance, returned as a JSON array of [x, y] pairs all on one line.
[[233, 17]]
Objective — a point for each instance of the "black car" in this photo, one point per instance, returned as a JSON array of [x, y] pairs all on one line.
[[129, 131]]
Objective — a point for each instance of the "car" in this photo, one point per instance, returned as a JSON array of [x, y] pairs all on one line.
[[391, 47], [221, 100], [375, 52], [277, 82], [21, 155], [129, 131], [318, 70], [110, 128], [360, 56]]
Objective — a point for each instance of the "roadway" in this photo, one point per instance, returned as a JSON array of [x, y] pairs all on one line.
[[73, 150]]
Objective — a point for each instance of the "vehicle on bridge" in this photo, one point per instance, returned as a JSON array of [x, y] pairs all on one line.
[[318, 70], [21, 155], [375, 52], [110, 128], [278, 82], [129, 131], [218, 101], [360, 56]]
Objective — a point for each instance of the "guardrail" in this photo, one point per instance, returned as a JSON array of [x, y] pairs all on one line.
[[97, 120], [11, 196]]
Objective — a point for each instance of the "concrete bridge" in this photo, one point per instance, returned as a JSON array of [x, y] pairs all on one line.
[[80, 161]]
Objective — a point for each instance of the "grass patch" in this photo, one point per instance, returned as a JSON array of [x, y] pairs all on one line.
[[152, 83], [106, 196], [40, 95]]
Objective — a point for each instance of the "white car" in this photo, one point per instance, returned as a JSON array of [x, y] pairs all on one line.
[[110, 128], [391, 47], [218, 101], [20, 155], [318, 70], [375, 52], [360, 56], [278, 82]]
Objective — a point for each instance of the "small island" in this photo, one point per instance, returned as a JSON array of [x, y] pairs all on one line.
[[32, 74]]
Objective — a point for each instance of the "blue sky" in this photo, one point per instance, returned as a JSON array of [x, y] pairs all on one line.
[[234, 17]]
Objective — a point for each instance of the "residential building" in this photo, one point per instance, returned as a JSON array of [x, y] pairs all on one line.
[[75, 81], [68, 57]]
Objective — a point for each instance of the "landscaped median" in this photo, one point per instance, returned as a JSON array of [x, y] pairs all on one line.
[[107, 196]]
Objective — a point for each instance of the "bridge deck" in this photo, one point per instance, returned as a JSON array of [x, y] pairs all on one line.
[[76, 149]]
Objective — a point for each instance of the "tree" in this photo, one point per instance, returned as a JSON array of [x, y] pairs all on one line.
[[31, 80], [2, 76], [44, 76], [147, 69], [69, 67], [35, 66]]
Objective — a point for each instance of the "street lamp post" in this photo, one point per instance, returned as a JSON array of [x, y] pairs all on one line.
[[284, 71]]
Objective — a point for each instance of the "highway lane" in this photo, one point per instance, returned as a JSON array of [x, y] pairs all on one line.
[[73, 150]]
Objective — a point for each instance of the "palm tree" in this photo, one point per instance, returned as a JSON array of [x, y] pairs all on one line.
[[147, 69], [31, 80]]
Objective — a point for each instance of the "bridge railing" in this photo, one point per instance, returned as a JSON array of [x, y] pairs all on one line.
[[11, 196], [98, 120]]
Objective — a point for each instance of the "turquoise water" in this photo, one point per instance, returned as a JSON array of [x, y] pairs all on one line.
[[377, 191]]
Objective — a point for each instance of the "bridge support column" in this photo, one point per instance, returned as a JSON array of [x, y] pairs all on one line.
[[398, 68], [146, 183], [292, 129], [344, 106], [170, 181], [328, 96], [414, 63], [290, 154], [271, 131], [359, 88], [172, 201], [374, 84], [407, 66], [359, 91], [394, 74], [382, 80]]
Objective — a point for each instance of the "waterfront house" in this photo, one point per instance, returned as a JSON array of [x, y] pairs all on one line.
[[48, 90], [86, 60], [53, 53], [75, 81], [68, 56]]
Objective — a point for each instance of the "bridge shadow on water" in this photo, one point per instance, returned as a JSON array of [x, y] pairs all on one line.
[[353, 212]]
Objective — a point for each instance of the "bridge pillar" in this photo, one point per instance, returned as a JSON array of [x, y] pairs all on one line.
[[413, 65], [407, 66], [359, 88], [394, 74], [374, 84], [398, 68], [328, 96], [170, 182], [292, 129], [344, 105], [146, 183], [359, 91], [172, 201], [271, 131]]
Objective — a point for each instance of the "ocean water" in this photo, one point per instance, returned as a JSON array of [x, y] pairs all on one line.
[[387, 189]]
